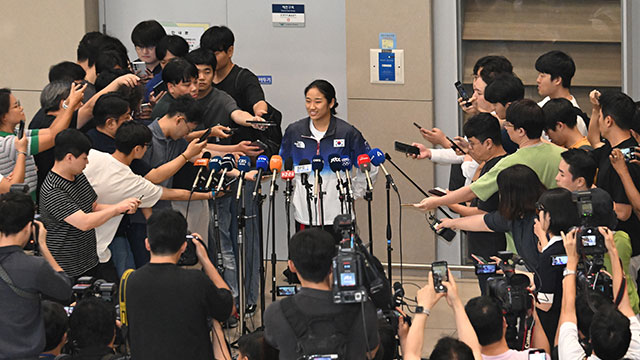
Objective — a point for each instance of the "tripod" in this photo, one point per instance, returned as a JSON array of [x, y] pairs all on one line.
[[259, 201]]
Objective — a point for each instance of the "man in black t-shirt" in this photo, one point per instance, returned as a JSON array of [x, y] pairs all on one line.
[[168, 306], [310, 255], [611, 118]]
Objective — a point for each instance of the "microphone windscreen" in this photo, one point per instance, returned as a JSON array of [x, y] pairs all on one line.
[[346, 163], [317, 163], [228, 162], [377, 156], [275, 164], [304, 162], [215, 164], [335, 163], [206, 155], [244, 163], [262, 162], [363, 159], [288, 164]]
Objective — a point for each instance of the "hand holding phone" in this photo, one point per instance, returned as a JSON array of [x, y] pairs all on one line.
[[437, 191], [440, 274], [463, 93], [455, 146], [406, 148], [20, 132], [204, 136]]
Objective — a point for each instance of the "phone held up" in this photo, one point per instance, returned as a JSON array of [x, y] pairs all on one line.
[[440, 274]]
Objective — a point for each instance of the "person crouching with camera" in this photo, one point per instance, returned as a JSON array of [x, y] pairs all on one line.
[[310, 323], [168, 306], [23, 278]]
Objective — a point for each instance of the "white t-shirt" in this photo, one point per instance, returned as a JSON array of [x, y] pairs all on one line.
[[114, 181], [569, 345], [582, 126], [511, 355], [317, 134]]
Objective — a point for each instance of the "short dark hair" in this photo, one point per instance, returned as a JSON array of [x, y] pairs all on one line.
[[312, 251], [483, 126], [67, 71], [166, 231], [88, 47], [109, 105], [557, 64], [635, 123], [486, 319], [519, 188], [202, 56], [581, 164], [178, 70], [147, 33], [70, 141], [5, 101], [493, 63], [603, 212], [609, 332], [132, 134], [107, 76], [53, 93], [326, 89], [505, 88], [562, 211], [253, 346], [448, 348], [217, 38], [587, 301], [560, 110], [17, 211], [108, 42], [175, 44], [526, 114], [188, 106], [619, 106], [56, 323], [111, 60], [92, 323]]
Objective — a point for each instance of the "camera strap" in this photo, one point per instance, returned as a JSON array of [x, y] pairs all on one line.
[[122, 299], [623, 286], [20, 292]]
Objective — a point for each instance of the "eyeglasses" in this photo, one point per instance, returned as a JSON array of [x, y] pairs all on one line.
[[147, 144]]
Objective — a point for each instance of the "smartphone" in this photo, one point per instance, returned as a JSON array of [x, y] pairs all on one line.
[[259, 144], [288, 290], [20, 132], [537, 354], [462, 92], [406, 148], [159, 86], [440, 274], [139, 68], [263, 123], [230, 131], [437, 191], [205, 136], [455, 146], [145, 106], [559, 260], [488, 269], [417, 125]]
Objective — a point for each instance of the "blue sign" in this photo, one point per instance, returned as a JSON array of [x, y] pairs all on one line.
[[387, 66], [287, 8], [289, 15], [265, 79]]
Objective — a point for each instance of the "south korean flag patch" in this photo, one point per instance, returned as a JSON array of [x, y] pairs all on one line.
[[338, 143]]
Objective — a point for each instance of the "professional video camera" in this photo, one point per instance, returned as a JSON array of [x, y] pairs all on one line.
[[512, 294], [591, 248], [88, 286]]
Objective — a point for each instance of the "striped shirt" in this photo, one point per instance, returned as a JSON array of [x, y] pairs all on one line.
[[8, 156], [74, 249]]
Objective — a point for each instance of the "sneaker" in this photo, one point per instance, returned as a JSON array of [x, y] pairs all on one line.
[[250, 310]]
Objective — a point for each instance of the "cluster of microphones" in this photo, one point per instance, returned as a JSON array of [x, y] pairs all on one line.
[[212, 171]]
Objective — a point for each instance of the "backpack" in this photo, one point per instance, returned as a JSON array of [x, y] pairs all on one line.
[[320, 334]]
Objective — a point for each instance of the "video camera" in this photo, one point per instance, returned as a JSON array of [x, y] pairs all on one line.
[[88, 286]]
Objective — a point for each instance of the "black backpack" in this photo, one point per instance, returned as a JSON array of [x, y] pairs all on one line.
[[320, 334]]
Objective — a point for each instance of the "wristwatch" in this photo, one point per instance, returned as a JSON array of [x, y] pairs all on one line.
[[422, 310], [568, 272]]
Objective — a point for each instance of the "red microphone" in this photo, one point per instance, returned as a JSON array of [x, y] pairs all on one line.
[[364, 163]]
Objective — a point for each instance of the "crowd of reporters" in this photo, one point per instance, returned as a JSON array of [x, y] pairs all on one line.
[[542, 180]]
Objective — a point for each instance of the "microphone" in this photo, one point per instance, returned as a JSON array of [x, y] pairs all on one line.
[[377, 159], [244, 164], [214, 167], [228, 163], [317, 164], [335, 163], [346, 167], [202, 163], [275, 164], [364, 162], [288, 174], [304, 168], [261, 165], [398, 293]]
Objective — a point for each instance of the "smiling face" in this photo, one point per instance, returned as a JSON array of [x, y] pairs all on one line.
[[317, 105]]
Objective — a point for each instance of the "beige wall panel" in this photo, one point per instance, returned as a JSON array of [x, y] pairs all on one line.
[[411, 22], [37, 34], [382, 122]]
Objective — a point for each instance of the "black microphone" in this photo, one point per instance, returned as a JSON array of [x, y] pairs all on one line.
[[202, 163], [227, 164], [317, 164], [244, 165], [398, 293], [335, 164], [287, 175], [304, 168]]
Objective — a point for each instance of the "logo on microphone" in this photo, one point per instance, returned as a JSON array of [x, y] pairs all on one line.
[[338, 143]]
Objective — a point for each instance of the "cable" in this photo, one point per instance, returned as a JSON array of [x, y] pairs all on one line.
[[400, 235], [364, 329]]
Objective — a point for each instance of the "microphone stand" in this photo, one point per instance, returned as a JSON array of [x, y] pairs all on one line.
[[259, 201], [307, 187], [216, 237], [368, 195], [288, 191], [241, 256], [320, 195], [272, 203], [389, 248], [388, 157]]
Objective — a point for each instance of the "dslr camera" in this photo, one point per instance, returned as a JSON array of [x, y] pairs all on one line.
[[88, 286], [591, 241]]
